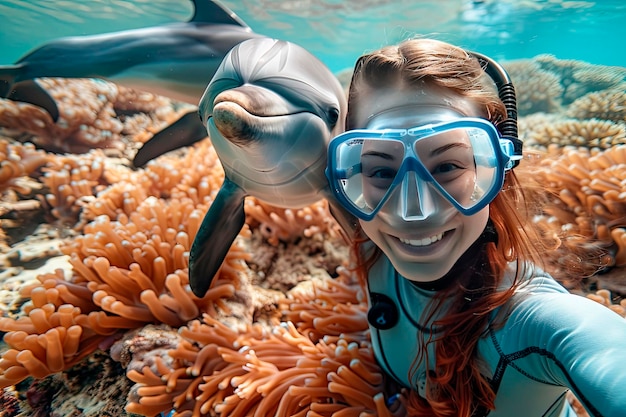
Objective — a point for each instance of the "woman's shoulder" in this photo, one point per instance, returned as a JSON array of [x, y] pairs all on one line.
[[531, 279], [537, 297], [541, 301]]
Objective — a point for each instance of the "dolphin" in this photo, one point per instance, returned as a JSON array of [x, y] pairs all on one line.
[[176, 60], [270, 111]]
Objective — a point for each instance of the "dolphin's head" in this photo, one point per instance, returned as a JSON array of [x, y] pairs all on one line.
[[270, 110]]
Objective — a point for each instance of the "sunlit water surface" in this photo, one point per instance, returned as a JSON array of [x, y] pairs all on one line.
[[339, 31]]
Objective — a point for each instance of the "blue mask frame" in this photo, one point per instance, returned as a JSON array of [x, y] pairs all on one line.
[[503, 157]]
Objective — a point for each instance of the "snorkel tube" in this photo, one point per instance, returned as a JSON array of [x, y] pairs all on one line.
[[506, 92]]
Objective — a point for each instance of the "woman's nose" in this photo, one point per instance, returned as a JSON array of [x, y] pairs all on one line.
[[414, 199]]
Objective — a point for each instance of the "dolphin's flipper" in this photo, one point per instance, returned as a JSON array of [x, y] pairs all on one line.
[[214, 12], [29, 91], [184, 132], [218, 230]]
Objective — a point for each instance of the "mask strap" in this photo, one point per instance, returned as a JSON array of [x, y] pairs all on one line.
[[506, 92]]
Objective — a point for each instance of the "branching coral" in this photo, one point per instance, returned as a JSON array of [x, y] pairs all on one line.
[[279, 224], [608, 105], [537, 90], [545, 83], [18, 161], [579, 78], [217, 371], [86, 116], [592, 133], [127, 273], [586, 215]]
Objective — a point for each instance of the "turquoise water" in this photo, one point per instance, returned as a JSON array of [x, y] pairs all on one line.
[[339, 31]]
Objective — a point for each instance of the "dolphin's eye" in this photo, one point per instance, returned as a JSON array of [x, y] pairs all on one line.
[[333, 116]]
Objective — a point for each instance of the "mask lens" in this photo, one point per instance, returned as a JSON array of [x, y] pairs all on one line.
[[368, 168], [462, 162]]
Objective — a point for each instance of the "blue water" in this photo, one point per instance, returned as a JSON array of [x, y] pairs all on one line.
[[339, 31]]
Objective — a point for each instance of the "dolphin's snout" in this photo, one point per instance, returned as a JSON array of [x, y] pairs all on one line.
[[235, 123], [238, 113]]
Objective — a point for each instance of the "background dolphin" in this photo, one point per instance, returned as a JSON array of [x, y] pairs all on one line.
[[270, 111], [176, 60]]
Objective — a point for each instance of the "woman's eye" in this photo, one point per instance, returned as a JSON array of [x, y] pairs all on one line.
[[379, 177], [445, 168], [382, 173]]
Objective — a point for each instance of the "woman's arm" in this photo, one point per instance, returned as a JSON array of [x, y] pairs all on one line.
[[575, 342]]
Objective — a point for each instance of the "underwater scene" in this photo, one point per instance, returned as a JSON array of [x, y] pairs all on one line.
[[107, 173]]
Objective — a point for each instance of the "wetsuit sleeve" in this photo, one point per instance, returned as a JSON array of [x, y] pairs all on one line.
[[569, 340]]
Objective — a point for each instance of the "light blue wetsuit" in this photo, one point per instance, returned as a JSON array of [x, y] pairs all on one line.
[[551, 341]]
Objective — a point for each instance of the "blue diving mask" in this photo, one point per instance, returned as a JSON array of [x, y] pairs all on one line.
[[463, 160]]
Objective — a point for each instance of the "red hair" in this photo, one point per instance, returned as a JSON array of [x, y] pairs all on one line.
[[457, 385]]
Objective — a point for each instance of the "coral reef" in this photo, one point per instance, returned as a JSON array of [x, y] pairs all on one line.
[[283, 329], [88, 115], [212, 370], [547, 84], [537, 90], [590, 133], [608, 104], [17, 162], [584, 212]]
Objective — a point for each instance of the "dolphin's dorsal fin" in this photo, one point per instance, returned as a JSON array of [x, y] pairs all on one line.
[[212, 11]]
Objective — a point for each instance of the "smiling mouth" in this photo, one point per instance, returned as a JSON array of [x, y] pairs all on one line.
[[422, 242]]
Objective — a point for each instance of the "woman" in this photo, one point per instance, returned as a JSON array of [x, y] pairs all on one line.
[[460, 313]]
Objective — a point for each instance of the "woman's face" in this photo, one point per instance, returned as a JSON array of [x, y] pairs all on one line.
[[421, 233]]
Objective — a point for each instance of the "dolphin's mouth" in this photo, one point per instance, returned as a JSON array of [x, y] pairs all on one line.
[[258, 101], [243, 115], [242, 127]]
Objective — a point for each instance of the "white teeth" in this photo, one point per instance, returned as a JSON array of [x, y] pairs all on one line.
[[422, 242]]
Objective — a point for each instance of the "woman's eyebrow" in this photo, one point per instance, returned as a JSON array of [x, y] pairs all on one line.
[[447, 147], [383, 155]]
